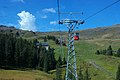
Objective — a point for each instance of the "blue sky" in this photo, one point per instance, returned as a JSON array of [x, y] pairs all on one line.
[[41, 15]]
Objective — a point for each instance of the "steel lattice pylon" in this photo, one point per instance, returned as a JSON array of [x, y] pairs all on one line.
[[71, 72]]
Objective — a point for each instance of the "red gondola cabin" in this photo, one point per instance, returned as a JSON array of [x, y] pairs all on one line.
[[76, 36]]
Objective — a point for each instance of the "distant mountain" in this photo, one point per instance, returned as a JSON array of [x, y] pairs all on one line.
[[109, 32], [26, 33], [6, 28], [13, 30]]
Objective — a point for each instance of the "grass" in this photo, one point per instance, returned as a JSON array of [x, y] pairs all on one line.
[[24, 75], [109, 63], [85, 52]]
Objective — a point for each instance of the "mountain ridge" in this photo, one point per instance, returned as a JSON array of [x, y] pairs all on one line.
[[107, 32]]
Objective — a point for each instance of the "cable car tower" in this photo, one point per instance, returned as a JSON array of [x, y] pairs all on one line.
[[71, 71]]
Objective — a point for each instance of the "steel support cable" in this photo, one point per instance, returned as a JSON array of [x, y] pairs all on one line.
[[58, 3], [101, 10]]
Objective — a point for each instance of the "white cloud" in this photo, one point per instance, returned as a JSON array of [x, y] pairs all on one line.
[[52, 10], [53, 22], [18, 1], [66, 19], [27, 21], [44, 16]]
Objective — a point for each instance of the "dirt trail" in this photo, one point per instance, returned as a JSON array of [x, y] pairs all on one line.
[[102, 69]]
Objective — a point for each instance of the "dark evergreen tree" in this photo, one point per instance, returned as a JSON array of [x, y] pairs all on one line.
[[104, 52], [64, 61], [0, 52], [35, 60], [118, 53], [26, 54], [57, 41], [45, 39], [9, 50], [46, 64], [53, 38], [58, 72], [97, 52], [32, 58], [17, 34], [109, 51], [48, 37], [42, 57], [118, 73], [60, 60], [16, 52], [2, 49], [52, 61]]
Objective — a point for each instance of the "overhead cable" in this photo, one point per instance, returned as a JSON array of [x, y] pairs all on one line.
[[102, 10]]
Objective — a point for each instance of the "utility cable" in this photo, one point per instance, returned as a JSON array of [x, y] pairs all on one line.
[[102, 10], [58, 3]]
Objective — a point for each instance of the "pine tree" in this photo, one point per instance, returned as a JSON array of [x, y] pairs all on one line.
[[97, 52], [118, 53], [109, 51], [58, 72], [118, 73], [46, 64], [56, 41], [31, 54], [104, 52], [60, 60], [53, 38], [52, 61], [16, 52], [45, 39], [2, 49], [17, 34], [9, 50], [25, 54], [41, 59], [64, 61]]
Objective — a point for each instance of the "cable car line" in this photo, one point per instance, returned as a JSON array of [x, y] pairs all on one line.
[[101, 10], [71, 67], [58, 3], [61, 41]]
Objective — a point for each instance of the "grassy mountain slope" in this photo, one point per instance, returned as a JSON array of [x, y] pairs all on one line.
[[101, 32], [24, 75], [108, 32], [101, 67]]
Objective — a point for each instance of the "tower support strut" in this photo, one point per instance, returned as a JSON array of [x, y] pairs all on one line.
[[71, 69]]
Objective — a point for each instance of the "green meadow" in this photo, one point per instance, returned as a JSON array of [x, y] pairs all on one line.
[[101, 67]]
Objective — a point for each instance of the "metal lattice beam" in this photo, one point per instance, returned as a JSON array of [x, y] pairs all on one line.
[[71, 72]]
